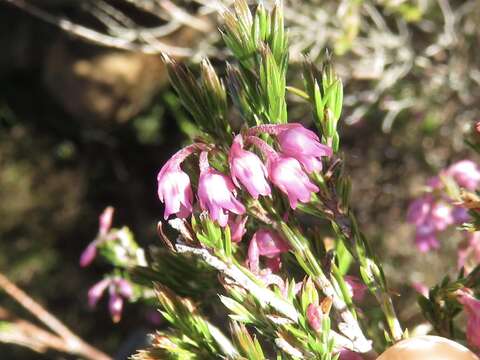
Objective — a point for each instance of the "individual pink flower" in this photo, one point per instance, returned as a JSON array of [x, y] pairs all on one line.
[[466, 173], [441, 215], [270, 244], [96, 291], [421, 288], [216, 193], [356, 287], [287, 174], [314, 317], [105, 221], [303, 145], [115, 306], [88, 255], [237, 227], [266, 243], [247, 169], [471, 307], [175, 191], [174, 188]]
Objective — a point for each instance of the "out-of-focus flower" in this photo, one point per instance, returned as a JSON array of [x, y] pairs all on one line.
[[425, 238], [124, 288], [174, 190], [419, 210], [88, 255], [119, 289], [422, 289], [115, 306], [287, 174], [441, 216], [471, 307], [237, 227], [216, 193], [469, 252], [356, 287], [96, 291], [247, 169], [105, 221], [315, 317], [346, 354], [466, 173], [303, 145]]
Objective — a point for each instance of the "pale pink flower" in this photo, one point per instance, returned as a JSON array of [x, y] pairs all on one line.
[[356, 287], [266, 243], [247, 169], [237, 227], [96, 291], [105, 221], [303, 145], [471, 307], [216, 193], [88, 255], [287, 174], [315, 317], [466, 173], [174, 190], [270, 243], [441, 216]]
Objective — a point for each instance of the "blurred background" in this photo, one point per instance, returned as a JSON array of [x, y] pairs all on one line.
[[87, 118]]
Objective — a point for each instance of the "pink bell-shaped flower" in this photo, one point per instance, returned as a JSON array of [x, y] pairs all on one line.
[[303, 145], [216, 193], [270, 244], [175, 191], [287, 174], [247, 169], [174, 188]]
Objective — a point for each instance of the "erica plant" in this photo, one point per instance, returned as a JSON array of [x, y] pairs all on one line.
[[264, 257]]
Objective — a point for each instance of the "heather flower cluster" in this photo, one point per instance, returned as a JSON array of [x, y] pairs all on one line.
[[219, 194], [438, 209]]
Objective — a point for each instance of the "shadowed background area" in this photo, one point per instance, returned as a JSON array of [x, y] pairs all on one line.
[[87, 118]]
